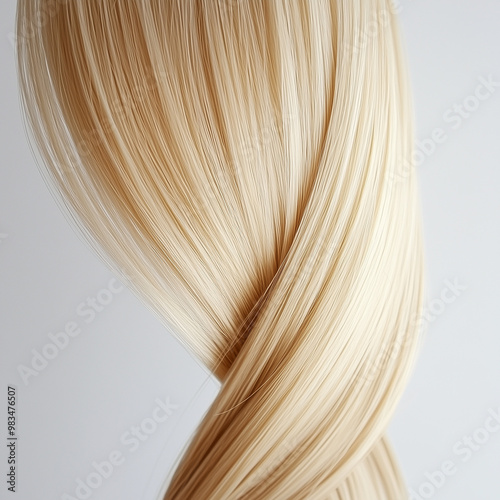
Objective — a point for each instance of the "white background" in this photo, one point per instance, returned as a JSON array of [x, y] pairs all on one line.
[[106, 380]]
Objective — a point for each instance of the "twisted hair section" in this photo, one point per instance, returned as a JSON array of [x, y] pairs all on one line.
[[236, 161]]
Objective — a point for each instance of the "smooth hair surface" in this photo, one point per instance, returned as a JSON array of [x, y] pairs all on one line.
[[238, 161]]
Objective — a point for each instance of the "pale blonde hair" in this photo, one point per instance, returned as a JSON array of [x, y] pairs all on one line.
[[234, 159]]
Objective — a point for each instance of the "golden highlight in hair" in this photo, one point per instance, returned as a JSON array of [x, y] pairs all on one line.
[[235, 159]]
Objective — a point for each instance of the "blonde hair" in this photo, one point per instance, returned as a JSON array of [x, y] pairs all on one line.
[[233, 159]]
